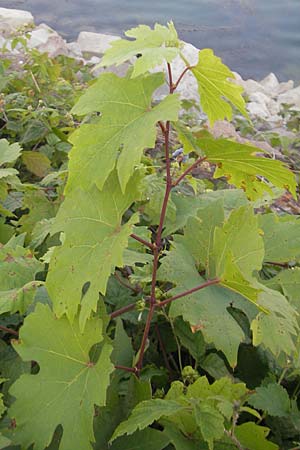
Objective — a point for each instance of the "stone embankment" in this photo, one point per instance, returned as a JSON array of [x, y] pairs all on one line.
[[265, 98]]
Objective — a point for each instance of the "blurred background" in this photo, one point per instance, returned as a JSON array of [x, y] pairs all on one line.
[[254, 37]]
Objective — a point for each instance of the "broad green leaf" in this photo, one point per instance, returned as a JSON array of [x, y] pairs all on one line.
[[210, 422], [178, 439], [4, 442], [36, 163], [253, 437], [18, 268], [206, 309], [273, 399], [200, 231], [288, 282], [149, 438], [67, 386], [241, 237], [217, 93], [40, 208], [193, 342], [240, 165], [94, 242], [277, 329], [127, 123], [153, 46], [12, 367], [145, 413], [9, 153], [281, 237]]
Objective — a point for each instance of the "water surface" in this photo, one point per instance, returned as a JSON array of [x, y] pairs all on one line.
[[254, 37]]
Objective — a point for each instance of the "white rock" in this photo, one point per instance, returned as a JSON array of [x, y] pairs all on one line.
[[273, 107], [95, 43], [259, 97], [48, 41], [270, 84], [252, 86], [258, 110], [13, 19], [291, 97], [284, 87], [74, 50]]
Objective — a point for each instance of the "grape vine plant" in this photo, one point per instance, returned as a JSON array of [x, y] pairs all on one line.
[[164, 314]]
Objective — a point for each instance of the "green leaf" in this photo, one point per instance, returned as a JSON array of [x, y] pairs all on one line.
[[18, 268], [210, 422], [288, 282], [281, 237], [277, 329], [37, 163], [205, 310], [39, 206], [145, 413], [67, 386], [127, 123], [178, 439], [149, 438], [155, 46], [9, 153], [214, 87], [253, 437], [94, 242], [273, 399], [240, 165]]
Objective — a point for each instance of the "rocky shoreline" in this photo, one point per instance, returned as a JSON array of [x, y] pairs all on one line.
[[265, 98]]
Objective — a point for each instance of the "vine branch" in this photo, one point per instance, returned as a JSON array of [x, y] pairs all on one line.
[[190, 291], [189, 169], [9, 330], [142, 241]]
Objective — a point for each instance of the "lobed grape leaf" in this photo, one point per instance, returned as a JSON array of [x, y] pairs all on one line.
[[240, 165], [67, 386], [153, 47], [287, 282], [94, 242], [145, 413], [281, 237], [272, 398], [9, 152], [210, 423], [18, 268], [253, 437], [215, 88], [127, 123], [206, 309]]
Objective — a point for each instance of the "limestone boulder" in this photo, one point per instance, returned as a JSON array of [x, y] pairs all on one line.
[[291, 97], [95, 43], [13, 19], [46, 40], [270, 84]]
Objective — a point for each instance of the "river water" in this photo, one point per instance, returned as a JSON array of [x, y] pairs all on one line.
[[254, 37]]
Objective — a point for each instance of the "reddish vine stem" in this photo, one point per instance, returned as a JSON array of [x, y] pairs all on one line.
[[181, 76], [123, 310], [127, 369], [162, 127], [190, 291], [157, 247], [142, 241], [9, 330], [127, 285], [189, 169]]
